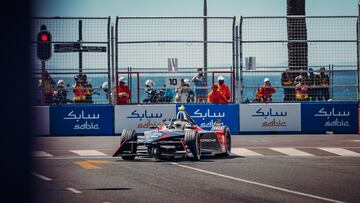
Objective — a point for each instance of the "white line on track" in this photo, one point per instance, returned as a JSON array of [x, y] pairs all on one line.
[[259, 184], [244, 152], [41, 154], [41, 176], [88, 152], [74, 190], [291, 152], [340, 151]]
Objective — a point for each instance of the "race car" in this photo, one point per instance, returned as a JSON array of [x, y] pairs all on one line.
[[181, 137]]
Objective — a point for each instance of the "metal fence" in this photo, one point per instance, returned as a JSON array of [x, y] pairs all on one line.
[[168, 50], [80, 57], [173, 48], [270, 45]]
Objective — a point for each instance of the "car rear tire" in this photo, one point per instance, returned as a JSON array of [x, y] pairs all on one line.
[[192, 141], [227, 137], [126, 136]]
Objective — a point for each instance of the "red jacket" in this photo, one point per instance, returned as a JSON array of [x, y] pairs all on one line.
[[122, 99], [224, 89], [217, 97], [266, 93]]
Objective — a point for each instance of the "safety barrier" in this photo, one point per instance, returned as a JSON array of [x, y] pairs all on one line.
[[329, 117], [294, 118], [82, 120]]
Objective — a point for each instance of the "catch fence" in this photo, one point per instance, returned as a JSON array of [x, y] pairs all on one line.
[[270, 45], [80, 54]]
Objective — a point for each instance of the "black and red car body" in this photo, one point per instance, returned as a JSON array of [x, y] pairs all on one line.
[[181, 137]]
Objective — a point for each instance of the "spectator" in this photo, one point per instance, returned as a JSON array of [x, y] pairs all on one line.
[[151, 92], [168, 95], [123, 92], [258, 96], [216, 97], [60, 94], [287, 83], [105, 88], [223, 88], [78, 89], [323, 91], [48, 89], [183, 93], [266, 91], [89, 91], [313, 81], [301, 90], [200, 82]]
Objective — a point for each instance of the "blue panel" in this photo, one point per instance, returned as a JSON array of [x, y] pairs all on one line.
[[336, 117], [82, 120], [205, 115]]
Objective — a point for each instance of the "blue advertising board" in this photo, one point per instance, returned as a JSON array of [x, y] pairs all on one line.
[[205, 115], [336, 117], [82, 120]]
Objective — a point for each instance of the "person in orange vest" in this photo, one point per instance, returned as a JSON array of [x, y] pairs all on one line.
[[266, 91], [123, 92], [216, 97], [301, 90], [223, 88], [79, 92]]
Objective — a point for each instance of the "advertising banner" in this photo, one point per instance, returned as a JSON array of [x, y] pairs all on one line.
[[81, 120], [205, 115], [335, 117], [40, 120], [142, 117], [270, 117]]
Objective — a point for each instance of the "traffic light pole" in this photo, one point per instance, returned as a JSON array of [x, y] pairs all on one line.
[[80, 41], [42, 83]]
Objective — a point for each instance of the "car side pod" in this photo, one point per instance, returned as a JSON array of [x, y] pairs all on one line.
[[192, 141], [128, 146]]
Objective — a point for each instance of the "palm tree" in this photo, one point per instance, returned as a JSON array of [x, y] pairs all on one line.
[[296, 30]]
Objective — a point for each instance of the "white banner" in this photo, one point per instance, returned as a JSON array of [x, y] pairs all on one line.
[[41, 120], [142, 117], [270, 117]]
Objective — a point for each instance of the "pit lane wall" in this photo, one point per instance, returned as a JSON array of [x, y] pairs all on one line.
[[279, 118]]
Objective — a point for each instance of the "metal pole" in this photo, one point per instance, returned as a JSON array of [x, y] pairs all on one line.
[[80, 52], [233, 58], [109, 58], [358, 54], [116, 61], [42, 96], [205, 38], [241, 62], [111, 84], [237, 80]]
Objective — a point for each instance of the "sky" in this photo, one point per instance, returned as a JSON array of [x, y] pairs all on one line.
[[102, 8]]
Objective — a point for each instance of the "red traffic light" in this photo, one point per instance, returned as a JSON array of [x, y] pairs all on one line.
[[44, 37]]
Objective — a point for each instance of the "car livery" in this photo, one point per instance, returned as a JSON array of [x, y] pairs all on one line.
[[181, 137]]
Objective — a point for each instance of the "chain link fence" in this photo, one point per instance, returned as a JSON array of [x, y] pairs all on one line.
[[302, 46], [170, 50], [79, 63]]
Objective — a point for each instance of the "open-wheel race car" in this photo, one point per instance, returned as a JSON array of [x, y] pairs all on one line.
[[179, 138]]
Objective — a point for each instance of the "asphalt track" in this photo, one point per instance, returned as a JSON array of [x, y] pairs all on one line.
[[284, 168]]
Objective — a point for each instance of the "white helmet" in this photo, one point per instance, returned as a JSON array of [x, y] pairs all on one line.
[[105, 85], [266, 80], [61, 83], [221, 78], [122, 79], [149, 83], [186, 81]]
